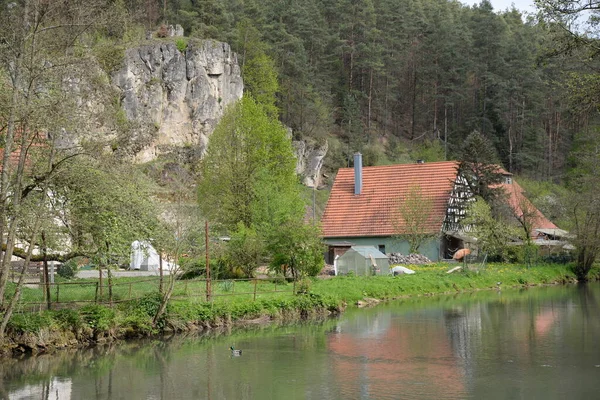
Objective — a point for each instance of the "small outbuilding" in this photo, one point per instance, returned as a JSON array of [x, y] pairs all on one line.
[[145, 258], [363, 260]]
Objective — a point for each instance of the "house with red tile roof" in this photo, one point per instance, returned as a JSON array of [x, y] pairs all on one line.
[[363, 207]]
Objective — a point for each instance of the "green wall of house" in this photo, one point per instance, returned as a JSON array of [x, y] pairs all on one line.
[[431, 248]]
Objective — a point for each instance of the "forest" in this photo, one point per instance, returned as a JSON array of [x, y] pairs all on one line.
[[405, 79]]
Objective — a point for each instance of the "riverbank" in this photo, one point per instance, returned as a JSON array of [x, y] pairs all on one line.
[[92, 324]]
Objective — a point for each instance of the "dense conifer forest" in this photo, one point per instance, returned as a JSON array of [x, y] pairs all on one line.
[[401, 79]]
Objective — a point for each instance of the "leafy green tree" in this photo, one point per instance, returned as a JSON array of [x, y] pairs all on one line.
[[296, 249], [248, 173], [493, 235], [584, 205], [414, 211], [245, 250], [579, 20], [106, 206], [37, 58]]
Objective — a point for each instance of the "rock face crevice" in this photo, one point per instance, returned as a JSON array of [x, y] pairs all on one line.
[[309, 161], [174, 98]]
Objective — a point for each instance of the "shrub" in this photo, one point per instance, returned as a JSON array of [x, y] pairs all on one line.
[[303, 286], [226, 286], [29, 322], [67, 270], [109, 55], [163, 32], [196, 267], [297, 249], [149, 304], [559, 258], [98, 317], [137, 315], [192, 268], [181, 44], [69, 319]]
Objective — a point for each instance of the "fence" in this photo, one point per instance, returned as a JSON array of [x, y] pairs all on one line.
[[73, 294]]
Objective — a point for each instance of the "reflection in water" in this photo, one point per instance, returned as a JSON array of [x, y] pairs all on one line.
[[410, 353], [54, 389], [538, 343]]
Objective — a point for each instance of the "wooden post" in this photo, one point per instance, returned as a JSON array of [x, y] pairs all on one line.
[[100, 279], [208, 288], [110, 291], [108, 274], [160, 271], [255, 288], [96, 296], [46, 277]]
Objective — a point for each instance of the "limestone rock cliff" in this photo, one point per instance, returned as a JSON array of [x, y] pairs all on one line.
[[309, 162], [176, 98], [173, 99]]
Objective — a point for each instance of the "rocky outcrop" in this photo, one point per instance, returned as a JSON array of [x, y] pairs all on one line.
[[175, 98], [310, 158]]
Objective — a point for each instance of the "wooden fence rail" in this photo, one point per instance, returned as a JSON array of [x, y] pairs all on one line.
[[75, 293]]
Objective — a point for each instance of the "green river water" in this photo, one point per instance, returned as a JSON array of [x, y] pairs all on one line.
[[540, 343]]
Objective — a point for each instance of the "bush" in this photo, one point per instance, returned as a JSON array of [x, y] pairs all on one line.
[[29, 322], [109, 55], [192, 268], [98, 317], [67, 270], [244, 251], [181, 44], [69, 319], [149, 304], [560, 258], [297, 249], [303, 286], [163, 32], [196, 267]]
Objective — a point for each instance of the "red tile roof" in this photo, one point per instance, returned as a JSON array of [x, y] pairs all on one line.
[[33, 142], [517, 201], [374, 212]]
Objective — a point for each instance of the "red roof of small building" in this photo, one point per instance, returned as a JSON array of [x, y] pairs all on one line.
[[518, 202], [375, 211]]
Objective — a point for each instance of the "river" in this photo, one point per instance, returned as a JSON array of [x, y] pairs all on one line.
[[511, 344]]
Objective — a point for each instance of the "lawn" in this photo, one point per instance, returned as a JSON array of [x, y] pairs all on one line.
[[136, 300]]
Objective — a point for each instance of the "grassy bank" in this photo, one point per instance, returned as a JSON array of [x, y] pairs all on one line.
[[34, 332]]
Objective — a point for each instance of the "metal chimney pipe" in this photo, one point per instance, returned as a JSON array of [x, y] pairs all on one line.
[[357, 173]]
